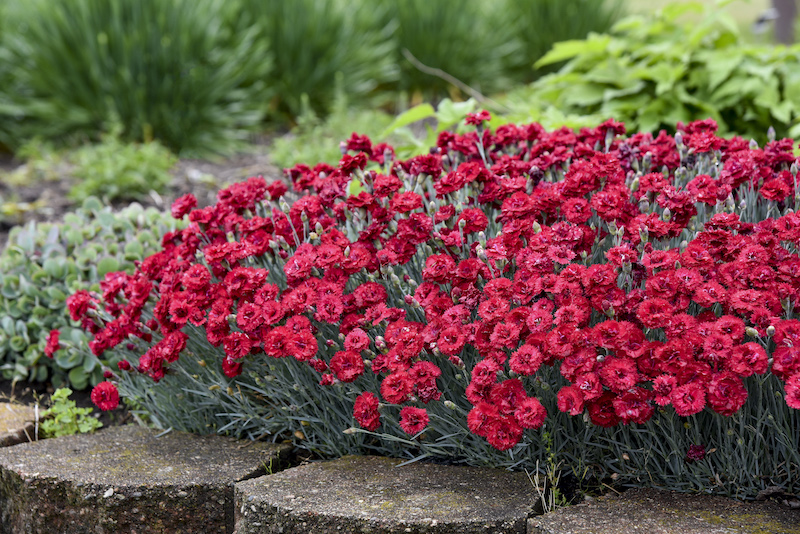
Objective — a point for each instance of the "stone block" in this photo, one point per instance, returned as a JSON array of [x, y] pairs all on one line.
[[127, 479], [360, 494]]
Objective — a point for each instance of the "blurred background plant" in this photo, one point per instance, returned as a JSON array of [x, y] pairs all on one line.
[[314, 41], [44, 263], [539, 24], [115, 171], [182, 71], [651, 72], [464, 42]]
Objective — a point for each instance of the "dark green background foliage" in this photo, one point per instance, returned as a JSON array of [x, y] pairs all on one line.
[[463, 39], [177, 70], [201, 76], [313, 41], [538, 24]]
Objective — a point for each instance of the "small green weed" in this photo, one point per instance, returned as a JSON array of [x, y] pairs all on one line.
[[64, 418], [115, 170]]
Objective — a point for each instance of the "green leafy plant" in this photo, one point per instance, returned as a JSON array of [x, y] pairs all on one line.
[[184, 72], [654, 72], [64, 418], [43, 263], [313, 41], [115, 170]]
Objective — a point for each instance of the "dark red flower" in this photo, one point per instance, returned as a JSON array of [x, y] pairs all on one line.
[[504, 433], [183, 205], [105, 396], [413, 420], [397, 387], [231, 367], [688, 399], [347, 365], [478, 118], [695, 453], [530, 413], [570, 400], [52, 343], [366, 412]]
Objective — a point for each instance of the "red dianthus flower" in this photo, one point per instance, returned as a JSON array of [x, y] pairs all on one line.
[[105, 396], [365, 411], [413, 420]]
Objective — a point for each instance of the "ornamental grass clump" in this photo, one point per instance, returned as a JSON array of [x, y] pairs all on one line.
[[613, 305]]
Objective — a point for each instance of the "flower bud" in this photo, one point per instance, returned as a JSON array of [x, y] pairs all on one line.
[[753, 145], [750, 331], [536, 227], [679, 139], [450, 404], [667, 215], [770, 330], [771, 134]]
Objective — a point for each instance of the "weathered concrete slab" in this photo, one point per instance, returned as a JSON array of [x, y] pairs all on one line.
[[358, 494], [16, 424], [125, 479], [662, 512]]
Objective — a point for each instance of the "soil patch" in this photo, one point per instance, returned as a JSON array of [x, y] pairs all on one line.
[[46, 200]]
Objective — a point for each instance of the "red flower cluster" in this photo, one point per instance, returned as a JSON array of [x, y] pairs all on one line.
[[105, 396], [650, 272]]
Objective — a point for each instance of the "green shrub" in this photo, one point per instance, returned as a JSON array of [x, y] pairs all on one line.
[[463, 39], [114, 170], [313, 40], [178, 71], [539, 24], [654, 72], [43, 263]]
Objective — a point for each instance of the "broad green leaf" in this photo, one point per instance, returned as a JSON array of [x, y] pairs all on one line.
[[611, 72], [68, 358], [107, 265], [78, 378], [449, 112], [783, 112], [633, 89], [769, 96], [583, 95], [89, 363], [674, 10], [569, 49], [663, 74], [720, 66], [417, 113]]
